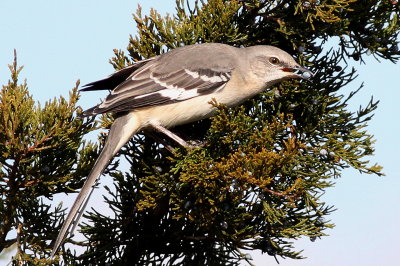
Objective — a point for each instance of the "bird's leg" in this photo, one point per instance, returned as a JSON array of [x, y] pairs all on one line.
[[173, 136], [161, 140]]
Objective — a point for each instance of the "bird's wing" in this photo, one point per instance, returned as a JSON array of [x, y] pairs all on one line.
[[113, 80], [170, 78]]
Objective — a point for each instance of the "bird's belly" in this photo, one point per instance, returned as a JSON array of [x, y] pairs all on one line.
[[179, 113]]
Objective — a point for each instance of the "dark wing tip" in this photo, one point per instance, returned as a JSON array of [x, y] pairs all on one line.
[[90, 87], [113, 80]]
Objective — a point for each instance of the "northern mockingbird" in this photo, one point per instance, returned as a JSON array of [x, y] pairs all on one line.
[[176, 88]]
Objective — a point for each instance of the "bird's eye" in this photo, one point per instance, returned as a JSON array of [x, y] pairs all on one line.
[[274, 60]]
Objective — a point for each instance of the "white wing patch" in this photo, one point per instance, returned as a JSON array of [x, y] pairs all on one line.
[[173, 91], [213, 79], [179, 94], [164, 84], [194, 75]]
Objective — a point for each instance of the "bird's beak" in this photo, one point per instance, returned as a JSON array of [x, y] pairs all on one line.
[[299, 72]]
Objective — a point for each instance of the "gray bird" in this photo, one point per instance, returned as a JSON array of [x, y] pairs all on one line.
[[176, 88]]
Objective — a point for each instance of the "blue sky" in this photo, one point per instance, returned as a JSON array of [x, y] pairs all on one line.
[[60, 42]]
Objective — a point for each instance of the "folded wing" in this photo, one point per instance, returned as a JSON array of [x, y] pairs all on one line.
[[155, 83]]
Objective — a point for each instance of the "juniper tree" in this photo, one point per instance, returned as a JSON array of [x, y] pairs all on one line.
[[42, 154], [255, 182]]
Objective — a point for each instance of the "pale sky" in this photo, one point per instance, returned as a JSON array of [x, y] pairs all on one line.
[[60, 42]]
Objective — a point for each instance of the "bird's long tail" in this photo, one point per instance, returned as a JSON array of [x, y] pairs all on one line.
[[121, 131]]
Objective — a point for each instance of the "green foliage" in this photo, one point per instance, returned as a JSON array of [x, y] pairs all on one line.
[[42, 153], [256, 181]]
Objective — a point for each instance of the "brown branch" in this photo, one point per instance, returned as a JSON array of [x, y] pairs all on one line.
[[279, 194], [31, 182], [286, 192], [37, 144]]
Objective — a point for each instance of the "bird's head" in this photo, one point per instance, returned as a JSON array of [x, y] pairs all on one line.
[[272, 64]]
